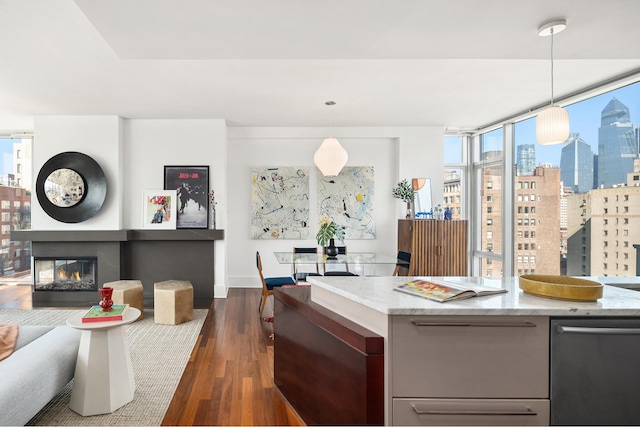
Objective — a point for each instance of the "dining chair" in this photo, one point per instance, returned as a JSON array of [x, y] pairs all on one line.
[[403, 265], [269, 283], [302, 275], [342, 250]]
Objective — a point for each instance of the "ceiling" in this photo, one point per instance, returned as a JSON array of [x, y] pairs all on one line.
[[460, 64]]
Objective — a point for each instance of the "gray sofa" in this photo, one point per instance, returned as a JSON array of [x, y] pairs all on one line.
[[42, 363]]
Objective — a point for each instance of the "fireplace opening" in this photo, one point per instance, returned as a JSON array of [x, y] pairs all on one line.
[[74, 274]]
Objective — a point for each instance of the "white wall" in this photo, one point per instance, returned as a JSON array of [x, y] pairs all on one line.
[[96, 136], [133, 154], [149, 145], [383, 148]]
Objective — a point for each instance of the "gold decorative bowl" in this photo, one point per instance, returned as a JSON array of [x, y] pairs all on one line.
[[561, 287]]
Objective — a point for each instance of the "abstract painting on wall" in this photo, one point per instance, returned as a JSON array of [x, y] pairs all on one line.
[[348, 200], [280, 202]]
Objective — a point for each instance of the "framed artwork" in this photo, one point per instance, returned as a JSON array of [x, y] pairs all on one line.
[[191, 184], [348, 200], [280, 202], [159, 209]]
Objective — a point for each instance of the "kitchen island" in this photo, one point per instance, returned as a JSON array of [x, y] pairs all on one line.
[[486, 360]]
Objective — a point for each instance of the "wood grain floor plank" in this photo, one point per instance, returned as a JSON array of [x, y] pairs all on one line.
[[16, 296], [247, 404]]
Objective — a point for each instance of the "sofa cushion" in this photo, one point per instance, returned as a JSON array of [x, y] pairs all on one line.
[[36, 373], [26, 334]]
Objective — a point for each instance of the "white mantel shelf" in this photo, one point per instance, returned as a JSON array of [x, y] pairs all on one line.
[[377, 294]]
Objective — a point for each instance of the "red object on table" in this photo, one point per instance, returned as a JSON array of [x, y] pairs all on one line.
[[106, 302]]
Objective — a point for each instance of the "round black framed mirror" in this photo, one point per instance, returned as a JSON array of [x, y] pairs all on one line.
[[71, 187], [64, 188]]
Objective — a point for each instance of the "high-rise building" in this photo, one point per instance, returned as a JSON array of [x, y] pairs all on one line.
[[576, 164], [614, 230], [579, 234], [537, 222], [526, 159], [595, 171], [616, 146], [564, 193], [22, 163], [452, 193], [603, 228], [491, 217], [15, 214]]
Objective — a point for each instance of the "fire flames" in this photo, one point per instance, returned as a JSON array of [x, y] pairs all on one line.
[[62, 274]]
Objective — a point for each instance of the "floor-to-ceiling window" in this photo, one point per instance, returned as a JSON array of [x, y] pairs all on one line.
[[488, 174], [455, 166], [15, 208], [574, 206], [584, 194]]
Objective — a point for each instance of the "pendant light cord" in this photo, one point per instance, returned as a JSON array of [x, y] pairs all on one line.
[[552, 66], [330, 122], [330, 104]]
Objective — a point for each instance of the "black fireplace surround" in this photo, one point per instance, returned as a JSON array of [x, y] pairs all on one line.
[[147, 255]]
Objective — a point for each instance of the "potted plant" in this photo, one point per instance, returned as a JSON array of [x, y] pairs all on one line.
[[404, 191], [329, 231]]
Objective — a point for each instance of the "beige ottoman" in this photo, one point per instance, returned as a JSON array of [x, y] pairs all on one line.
[[128, 292], [172, 302]]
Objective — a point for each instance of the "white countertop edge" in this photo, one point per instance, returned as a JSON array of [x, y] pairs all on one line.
[[377, 293], [567, 312]]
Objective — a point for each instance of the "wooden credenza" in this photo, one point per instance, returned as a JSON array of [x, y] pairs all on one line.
[[438, 247]]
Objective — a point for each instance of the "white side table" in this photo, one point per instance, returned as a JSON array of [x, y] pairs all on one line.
[[103, 379]]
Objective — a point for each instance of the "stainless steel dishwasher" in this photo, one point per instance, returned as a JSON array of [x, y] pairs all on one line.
[[595, 371]]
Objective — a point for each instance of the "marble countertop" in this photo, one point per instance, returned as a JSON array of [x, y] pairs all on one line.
[[377, 293]]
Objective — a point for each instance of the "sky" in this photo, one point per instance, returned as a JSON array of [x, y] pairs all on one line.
[[6, 156]]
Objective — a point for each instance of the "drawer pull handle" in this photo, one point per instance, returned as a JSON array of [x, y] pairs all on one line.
[[423, 411], [598, 331], [487, 324]]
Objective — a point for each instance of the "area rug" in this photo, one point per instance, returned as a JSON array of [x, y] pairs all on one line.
[[159, 354]]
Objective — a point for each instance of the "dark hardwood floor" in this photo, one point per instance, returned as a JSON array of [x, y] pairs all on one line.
[[229, 377]]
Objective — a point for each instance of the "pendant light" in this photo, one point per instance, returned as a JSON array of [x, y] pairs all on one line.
[[330, 157], [552, 123]]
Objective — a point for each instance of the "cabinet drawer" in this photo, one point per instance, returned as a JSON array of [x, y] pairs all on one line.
[[477, 412], [470, 356]]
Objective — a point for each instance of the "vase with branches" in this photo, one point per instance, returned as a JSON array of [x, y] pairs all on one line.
[[405, 192]]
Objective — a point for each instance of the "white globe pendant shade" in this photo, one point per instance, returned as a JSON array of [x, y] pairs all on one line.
[[330, 157], [552, 125]]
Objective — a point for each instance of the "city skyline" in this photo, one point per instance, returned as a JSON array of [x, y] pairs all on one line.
[[585, 120]]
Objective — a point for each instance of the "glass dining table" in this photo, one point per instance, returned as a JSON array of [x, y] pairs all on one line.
[[360, 263]]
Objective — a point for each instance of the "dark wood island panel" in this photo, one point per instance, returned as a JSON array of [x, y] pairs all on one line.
[[329, 369]]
